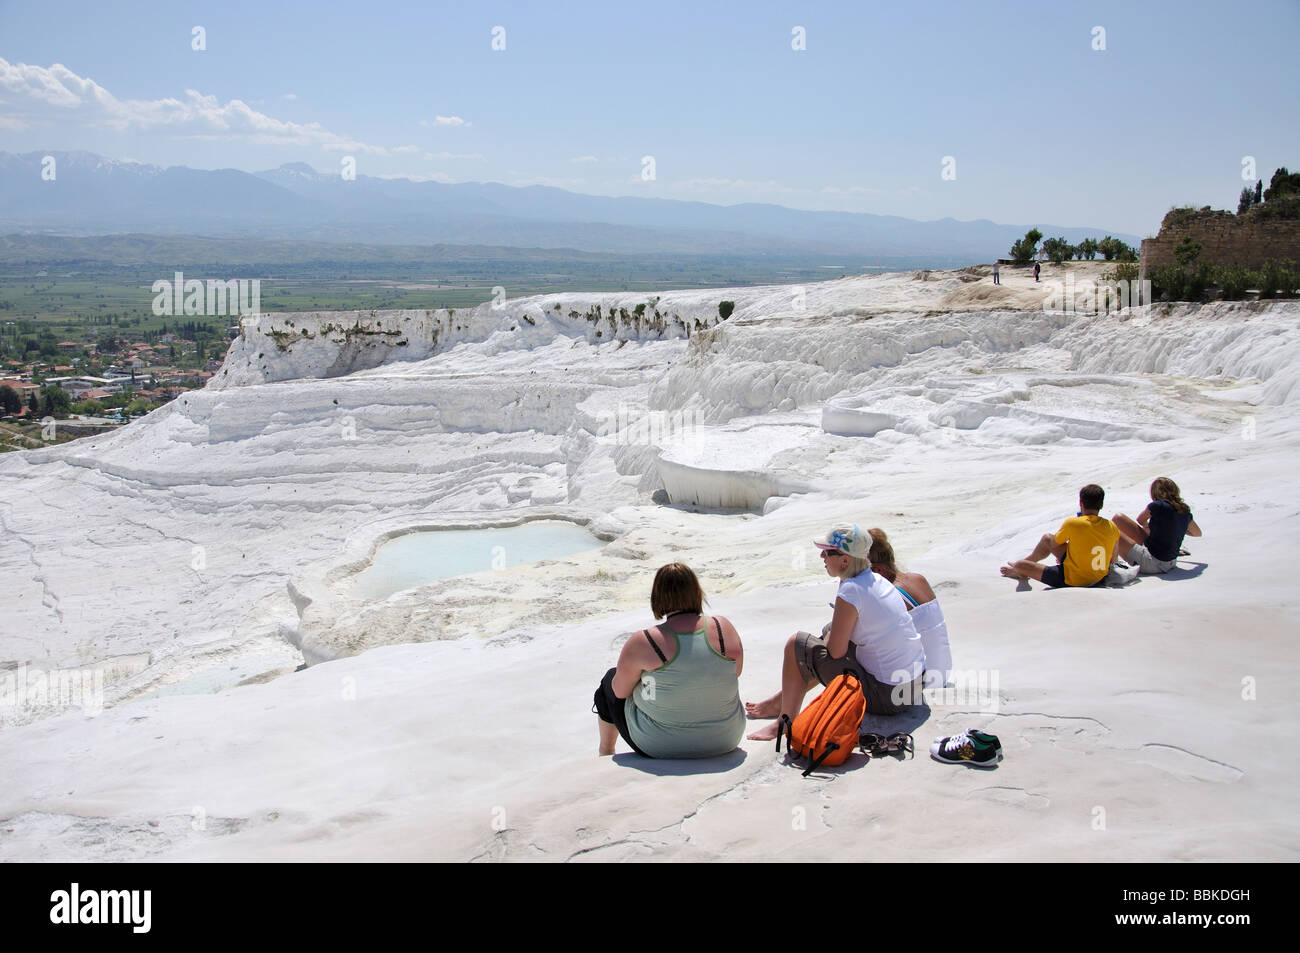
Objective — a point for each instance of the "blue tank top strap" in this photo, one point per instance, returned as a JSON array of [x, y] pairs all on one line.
[[907, 596]]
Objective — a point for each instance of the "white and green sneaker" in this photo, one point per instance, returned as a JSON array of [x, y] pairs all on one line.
[[979, 749], [985, 738]]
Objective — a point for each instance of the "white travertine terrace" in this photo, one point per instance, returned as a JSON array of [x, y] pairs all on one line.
[[959, 416]]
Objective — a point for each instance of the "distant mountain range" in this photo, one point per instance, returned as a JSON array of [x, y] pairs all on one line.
[[92, 195]]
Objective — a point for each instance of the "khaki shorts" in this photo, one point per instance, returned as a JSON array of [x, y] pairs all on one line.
[[1147, 564], [815, 662]]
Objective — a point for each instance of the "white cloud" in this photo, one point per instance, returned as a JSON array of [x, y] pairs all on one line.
[[453, 155], [12, 122], [854, 190], [401, 149], [419, 177], [289, 96], [446, 121], [548, 180], [731, 184], [59, 93], [584, 159], [868, 190]]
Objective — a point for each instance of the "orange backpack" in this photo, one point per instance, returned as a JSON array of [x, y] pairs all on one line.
[[826, 732]]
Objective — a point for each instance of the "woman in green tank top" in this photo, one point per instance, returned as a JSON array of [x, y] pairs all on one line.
[[675, 692]]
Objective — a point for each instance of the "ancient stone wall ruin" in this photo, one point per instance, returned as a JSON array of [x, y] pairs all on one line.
[[1226, 239]]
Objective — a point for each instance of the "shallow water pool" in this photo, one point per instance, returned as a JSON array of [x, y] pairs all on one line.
[[418, 558]]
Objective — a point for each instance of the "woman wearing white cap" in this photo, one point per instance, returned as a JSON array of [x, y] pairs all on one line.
[[871, 636]]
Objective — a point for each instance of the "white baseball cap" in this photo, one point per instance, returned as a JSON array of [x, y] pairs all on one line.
[[847, 538]]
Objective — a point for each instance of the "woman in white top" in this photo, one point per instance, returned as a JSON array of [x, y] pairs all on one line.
[[871, 619], [922, 604]]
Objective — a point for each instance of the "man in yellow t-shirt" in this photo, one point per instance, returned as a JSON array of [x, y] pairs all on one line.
[[1083, 546]]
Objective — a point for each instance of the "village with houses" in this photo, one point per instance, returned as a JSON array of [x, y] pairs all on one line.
[[82, 389]]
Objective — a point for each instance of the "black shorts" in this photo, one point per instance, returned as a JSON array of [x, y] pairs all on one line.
[[610, 708], [1054, 576]]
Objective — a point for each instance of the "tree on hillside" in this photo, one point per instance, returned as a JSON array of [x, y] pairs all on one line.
[[1245, 200], [1283, 184], [1112, 249], [1088, 248], [1024, 249], [1057, 249], [10, 402], [54, 402]]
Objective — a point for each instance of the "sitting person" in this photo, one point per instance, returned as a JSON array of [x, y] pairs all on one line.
[[1153, 542], [675, 692], [870, 636], [1083, 547], [922, 606]]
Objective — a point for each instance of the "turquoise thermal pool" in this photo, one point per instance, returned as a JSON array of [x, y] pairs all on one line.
[[414, 559]]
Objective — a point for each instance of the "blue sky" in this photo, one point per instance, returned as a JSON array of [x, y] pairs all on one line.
[[1041, 126]]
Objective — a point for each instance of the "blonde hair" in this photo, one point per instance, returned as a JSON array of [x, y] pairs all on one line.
[[857, 566]]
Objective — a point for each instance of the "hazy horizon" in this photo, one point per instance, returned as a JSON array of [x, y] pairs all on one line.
[[721, 204], [948, 115]]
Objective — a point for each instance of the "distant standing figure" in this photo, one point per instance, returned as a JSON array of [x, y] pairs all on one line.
[[1152, 542], [1036, 267], [996, 279]]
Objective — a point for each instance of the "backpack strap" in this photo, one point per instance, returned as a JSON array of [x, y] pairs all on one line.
[[784, 726], [830, 746], [658, 651]]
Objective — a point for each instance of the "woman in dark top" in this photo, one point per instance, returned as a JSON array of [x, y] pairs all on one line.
[[1152, 541]]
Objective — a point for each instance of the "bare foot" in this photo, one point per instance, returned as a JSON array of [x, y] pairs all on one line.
[[766, 734], [1010, 572], [769, 708]]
